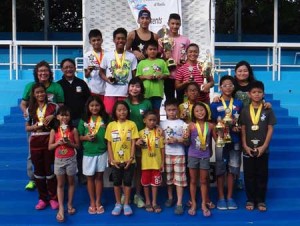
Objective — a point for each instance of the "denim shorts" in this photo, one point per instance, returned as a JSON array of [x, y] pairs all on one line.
[[228, 159], [198, 163]]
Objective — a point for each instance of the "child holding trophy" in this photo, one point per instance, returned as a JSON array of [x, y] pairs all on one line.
[[201, 132], [152, 71], [117, 68], [151, 143], [192, 71], [177, 53], [176, 137], [228, 157], [64, 140], [121, 135], [257, 129], [91, 64], [91, 130], [41, 115]]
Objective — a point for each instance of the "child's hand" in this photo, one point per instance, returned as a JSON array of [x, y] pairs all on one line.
[[48, 119], [267, 105], [139, 142], [90, 137], [260, 151], [236, 129], [171, 140], [248, 150], [216, 99]]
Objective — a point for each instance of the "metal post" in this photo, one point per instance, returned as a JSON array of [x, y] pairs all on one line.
[[275, 52], [14, 34]]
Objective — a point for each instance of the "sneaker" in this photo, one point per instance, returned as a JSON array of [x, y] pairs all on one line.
[[222, 205], [127, 210], [30, 186], [231, 204], [169, 203], [41, 205], [117, 210], [138, 201], [54, 204], [178, 210]]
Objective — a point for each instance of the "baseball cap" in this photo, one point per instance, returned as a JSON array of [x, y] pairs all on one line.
[[144, 13]]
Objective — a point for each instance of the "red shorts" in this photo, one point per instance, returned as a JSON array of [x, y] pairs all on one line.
[[151, 177]]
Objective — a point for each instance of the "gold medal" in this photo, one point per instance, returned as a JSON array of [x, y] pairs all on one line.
[[255, 127], [203, 147]]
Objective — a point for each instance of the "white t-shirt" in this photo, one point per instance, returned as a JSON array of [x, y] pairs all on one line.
[[173, 128], [122, 76], [95, 82]]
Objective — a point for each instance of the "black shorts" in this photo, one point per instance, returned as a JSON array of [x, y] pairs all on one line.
[[122, 175]]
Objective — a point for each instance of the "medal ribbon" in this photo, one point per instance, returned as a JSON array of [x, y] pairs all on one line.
[[230, 104], [97, 124], [41, 113], [255, 117], [120, 61], [99, 59], [202, 136], [122, 133]]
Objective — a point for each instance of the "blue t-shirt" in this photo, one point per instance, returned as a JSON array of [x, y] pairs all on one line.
[[217, 109]]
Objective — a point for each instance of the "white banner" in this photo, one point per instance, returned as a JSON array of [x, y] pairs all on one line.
[[159, 9]]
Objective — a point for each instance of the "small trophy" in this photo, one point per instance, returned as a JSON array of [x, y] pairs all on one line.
[[182, 54], [185, 128], [185, 112], [167, 43], [191, 77], [91, 62], [255, 144], [91, 127], [64, 128], [220, 127], [121, 155], [156, 71], [236, 119]]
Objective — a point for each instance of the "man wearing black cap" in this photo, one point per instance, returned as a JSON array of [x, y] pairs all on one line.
[[137, 38]]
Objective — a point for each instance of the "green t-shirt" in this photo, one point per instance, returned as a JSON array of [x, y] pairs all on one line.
[[54, 92], [153, 88], [137, 112], [98, 146]]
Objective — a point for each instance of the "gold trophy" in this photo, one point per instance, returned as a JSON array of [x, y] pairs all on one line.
[[228, 123], [191, 77], [220, 127], [236, 119], [167, 43], [207, 66], [64, 128], [255, 144]]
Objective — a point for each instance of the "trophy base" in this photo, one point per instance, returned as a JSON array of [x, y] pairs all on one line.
[[171, 64]]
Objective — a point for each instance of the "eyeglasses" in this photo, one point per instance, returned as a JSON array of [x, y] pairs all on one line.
[[227, 86], [68, 67], [43, 70]]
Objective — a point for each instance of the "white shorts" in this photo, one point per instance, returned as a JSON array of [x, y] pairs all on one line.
[[94, 164]]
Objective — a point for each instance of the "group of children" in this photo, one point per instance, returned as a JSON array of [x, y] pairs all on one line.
[[121, 128]]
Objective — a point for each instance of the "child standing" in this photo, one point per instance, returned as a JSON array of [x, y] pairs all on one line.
[[153, 71], [138, 105], [91, 129], [199, 153], [151, 143], [175, 133], [91, 64], [178, 53], [41, 115], [257, 129], [192, 71], [228, 158], [121, 135], [117, 68], [64, 140]]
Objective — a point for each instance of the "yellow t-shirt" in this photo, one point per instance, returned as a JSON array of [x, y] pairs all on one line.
[[153, 142], [121, 135]]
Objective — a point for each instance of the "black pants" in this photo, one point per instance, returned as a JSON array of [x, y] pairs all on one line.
[[169, 89], [256, 177]]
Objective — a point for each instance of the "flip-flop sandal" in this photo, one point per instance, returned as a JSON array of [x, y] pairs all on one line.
[[262, 207], [71, 210], [249, 206], [92, 210], [100, 209], [157, 209], [210, 205], [206, 213], [192, 212], [60, 218], [148, 208]]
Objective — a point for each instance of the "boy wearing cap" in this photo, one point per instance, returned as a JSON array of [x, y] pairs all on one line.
[[137, 39]]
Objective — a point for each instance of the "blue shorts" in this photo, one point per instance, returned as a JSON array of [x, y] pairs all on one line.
[[228, 159]]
